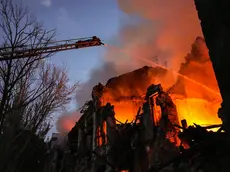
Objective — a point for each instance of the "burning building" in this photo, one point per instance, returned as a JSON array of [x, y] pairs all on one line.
[[130, 123], [195, 93], [124, 145], [122, 136]]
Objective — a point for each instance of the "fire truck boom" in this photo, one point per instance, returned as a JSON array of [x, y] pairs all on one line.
[[6, 53]]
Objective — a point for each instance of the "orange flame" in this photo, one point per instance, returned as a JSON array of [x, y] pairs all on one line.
[[194, 110], [198, 111]]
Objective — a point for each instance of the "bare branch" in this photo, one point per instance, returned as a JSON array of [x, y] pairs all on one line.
[[30, 89]]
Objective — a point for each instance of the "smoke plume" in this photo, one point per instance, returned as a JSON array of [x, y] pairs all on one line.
[[97, 75], [198, 67], [162, 28], [67, 121]]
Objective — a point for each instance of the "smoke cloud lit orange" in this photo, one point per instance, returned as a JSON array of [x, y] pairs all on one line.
[[166, 29], [67, 121], [149, 28]]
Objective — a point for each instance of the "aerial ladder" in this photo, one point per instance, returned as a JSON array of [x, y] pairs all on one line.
[[25, 51]]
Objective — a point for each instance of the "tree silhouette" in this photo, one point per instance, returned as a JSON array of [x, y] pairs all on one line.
[[31, 89]]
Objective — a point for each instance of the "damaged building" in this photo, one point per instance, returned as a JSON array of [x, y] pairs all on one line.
[[138, 121], [132, 127], [101, 140]]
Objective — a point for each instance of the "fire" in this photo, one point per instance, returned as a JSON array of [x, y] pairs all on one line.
[[194, 110], [198, 111], [125, 110], [196, 95]]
